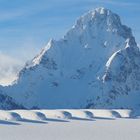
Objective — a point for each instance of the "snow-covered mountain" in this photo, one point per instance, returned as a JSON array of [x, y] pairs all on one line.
[[95, 65]]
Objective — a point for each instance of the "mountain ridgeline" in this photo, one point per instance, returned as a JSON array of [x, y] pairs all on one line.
[[95, 65]]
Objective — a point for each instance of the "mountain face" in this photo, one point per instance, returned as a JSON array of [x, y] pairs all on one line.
[[7, 102], [95, 65]]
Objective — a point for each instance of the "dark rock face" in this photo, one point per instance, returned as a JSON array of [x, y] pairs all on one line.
[[7, 102]]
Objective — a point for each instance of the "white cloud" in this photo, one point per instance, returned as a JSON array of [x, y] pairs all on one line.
[[9, 68], [11, 64]]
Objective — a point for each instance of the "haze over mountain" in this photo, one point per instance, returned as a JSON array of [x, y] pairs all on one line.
[[95, 65]]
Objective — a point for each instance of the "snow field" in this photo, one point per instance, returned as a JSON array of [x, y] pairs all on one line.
[[70, 124]]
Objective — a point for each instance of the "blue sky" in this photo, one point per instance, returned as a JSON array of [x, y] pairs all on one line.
[[27, 25]]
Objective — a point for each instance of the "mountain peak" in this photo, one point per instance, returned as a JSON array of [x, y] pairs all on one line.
[[37, 59], [100, 13], [102, 10], [101, 19], [85, 68], [94, 27]]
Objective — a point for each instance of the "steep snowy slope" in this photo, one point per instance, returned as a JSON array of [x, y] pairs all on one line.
[[95, 65], [121, 80], [7, 102]]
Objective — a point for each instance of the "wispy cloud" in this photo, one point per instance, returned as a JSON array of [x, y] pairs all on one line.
[[9, 68]]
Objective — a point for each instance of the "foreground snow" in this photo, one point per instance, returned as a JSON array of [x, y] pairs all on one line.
[[69, 125], [97, 129]]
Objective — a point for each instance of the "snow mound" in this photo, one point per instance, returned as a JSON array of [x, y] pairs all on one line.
[[10, 116], [61, 114], [85, 114], [31, 115], [125, 113], [105, 113]]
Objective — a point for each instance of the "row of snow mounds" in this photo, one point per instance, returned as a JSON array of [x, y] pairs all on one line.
[[84, 114], [103, 113], [40, 115], [112, 113], [31, 115], [59, 114]]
